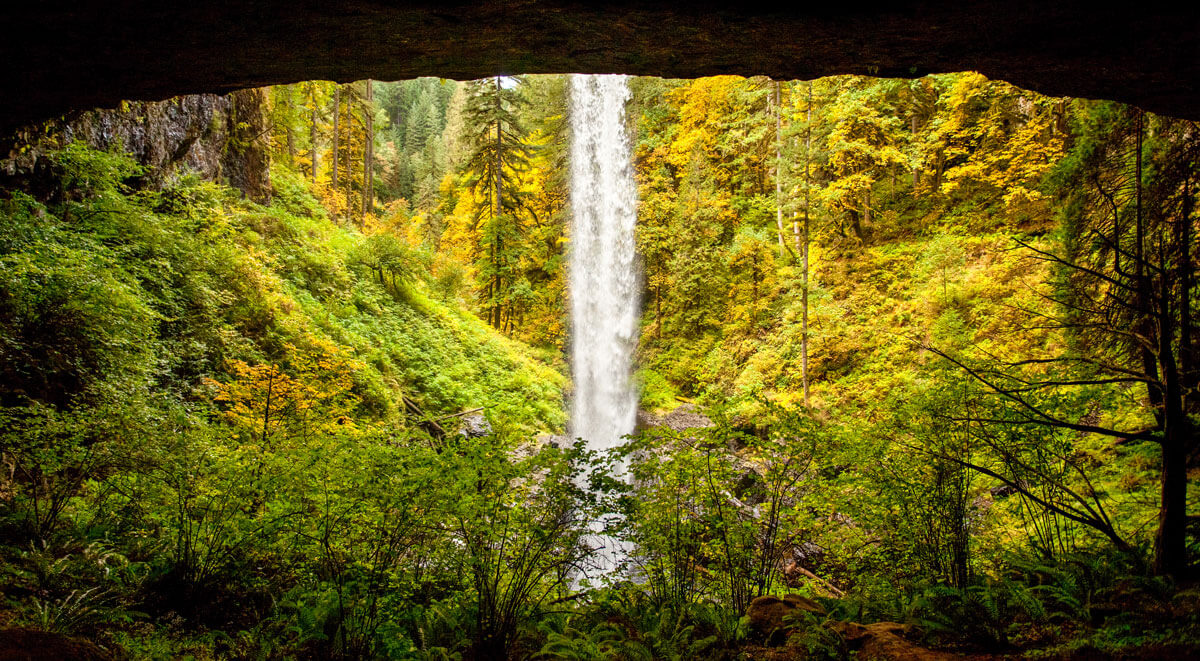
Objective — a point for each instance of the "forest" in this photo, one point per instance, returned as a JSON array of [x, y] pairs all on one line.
[[916, 360]]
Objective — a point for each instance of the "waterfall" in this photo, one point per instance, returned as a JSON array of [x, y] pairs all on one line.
[[603, 272], [603, 278]]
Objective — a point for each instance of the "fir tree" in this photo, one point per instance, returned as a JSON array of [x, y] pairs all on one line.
[[497, 155]]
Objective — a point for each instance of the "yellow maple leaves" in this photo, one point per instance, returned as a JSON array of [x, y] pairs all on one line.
[[1008, 146], [309, 396]]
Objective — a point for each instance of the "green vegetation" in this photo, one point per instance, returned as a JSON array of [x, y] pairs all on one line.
[[941, 329], [205, 417]]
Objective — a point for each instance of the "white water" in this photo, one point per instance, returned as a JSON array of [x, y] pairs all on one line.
[[603, 268], [603, 277]]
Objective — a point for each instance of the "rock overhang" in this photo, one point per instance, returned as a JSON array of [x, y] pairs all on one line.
[[60, 56]]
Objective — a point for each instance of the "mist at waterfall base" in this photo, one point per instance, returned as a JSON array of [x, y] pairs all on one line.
[[603, 276]]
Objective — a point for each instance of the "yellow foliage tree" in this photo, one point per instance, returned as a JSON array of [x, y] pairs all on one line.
[[271, 407]]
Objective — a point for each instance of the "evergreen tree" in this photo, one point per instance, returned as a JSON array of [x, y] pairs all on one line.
[[497, 156]]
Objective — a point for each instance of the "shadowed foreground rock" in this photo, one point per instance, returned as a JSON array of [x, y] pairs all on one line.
[[771, 618], [29, 645]]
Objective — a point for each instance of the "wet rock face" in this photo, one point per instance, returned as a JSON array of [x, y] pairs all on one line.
[[187, 132], [218, 137], [90, 53], [245, 161], [215, 136], [646, 420]]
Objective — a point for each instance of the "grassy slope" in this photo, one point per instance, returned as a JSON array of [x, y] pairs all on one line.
[[433, 351], [199, 278], [406, 342]]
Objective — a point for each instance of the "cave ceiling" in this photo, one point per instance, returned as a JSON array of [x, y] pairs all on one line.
[[60, 55]]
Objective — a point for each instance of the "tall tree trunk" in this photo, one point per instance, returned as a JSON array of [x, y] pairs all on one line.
[[859, 217], [1155, 332], [368, 192], [916, 170], [291, 132], [337, 111], [312, 132], [1170, 540], [779, 168], [498, 190], [497, 180], [804, 251], [291, 148]]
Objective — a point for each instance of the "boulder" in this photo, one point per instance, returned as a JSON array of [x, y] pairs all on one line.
[[474, 426], [769, 616], [552, 440]]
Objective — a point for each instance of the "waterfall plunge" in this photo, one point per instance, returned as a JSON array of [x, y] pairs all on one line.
[[603, 278], [603, 262]]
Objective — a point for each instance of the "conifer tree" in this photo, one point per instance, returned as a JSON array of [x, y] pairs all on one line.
[[497, 155]]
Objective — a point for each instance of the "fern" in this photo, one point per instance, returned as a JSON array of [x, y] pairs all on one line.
[[1061, 602], [1024, 598], [71, 612]]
